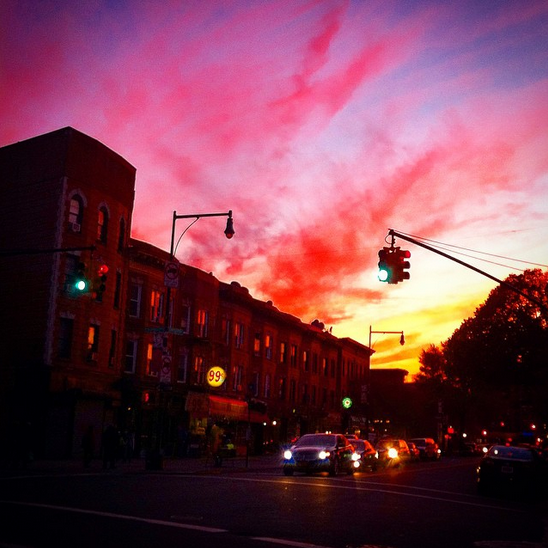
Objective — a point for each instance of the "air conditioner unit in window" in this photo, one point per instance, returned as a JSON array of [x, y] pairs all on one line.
[[75, 227]]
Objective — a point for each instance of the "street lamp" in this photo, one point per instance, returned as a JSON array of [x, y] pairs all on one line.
[[156, 459], [402, 338]]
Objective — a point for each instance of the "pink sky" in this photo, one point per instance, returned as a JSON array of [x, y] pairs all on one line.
[[321, 124]]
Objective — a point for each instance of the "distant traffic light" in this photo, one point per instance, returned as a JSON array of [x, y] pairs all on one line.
[[401, 264], [81, 283], [385, 267]]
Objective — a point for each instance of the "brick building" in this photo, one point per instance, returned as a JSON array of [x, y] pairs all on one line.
[[122, 354]]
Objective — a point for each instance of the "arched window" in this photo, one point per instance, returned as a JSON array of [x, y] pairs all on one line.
[[102, 225], [122, 235], [76, 213]]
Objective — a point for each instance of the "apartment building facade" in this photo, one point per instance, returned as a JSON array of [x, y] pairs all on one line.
[[134, 353]]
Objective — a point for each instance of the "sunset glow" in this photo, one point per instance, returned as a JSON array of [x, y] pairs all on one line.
[[321, 125]]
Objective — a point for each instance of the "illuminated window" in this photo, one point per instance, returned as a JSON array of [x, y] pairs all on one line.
[[153, 361], [257, 344], [306, 365], [156, 306], [201, 323], [237, 378], [283, 352], [324, 367], [102, 225], [93, 342], [239, 335], [293, 355], [268, 346]]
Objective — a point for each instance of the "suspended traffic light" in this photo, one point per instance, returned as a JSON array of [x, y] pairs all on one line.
[[401, 264], [385, 268], [101, 281], [81, 283]]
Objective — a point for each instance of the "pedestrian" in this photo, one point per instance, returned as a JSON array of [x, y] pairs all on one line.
[[88, 445], [111, 446]]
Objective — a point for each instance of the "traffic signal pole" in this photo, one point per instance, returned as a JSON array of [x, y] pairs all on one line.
[[393, 233]]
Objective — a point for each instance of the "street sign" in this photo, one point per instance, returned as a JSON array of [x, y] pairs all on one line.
[[171, 274]]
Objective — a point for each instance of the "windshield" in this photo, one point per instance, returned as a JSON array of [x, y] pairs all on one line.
[[319, 439]]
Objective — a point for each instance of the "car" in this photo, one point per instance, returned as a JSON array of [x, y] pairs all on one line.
[[392, 452], [512, 469], [413, 450], [428, 448], [367, 453], [312, 453]]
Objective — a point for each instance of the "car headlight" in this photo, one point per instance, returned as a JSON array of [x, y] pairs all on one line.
[[356, 456], [324, 455], [288, 455], [392, 453]]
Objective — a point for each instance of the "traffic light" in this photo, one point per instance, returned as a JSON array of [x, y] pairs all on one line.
[[101, 281], [385, 273], [401, 264], [81, 283]]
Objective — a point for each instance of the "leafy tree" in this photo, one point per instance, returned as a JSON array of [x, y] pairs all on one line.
[[497, 358]]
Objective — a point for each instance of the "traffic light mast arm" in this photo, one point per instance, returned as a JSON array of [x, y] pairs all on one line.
[[393, 233]]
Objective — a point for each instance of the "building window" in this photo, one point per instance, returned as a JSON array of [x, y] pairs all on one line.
[[283, 352], [135, 293], [156, 306], [292, 390], [76, 214], [237, 378], [254, 388], [238, 335], [257, 344], [122, 234], [199, 370], [281, 389], [182, 368], [185, 317], [201, 323], [266, 392], [131, 356], [112, 350], [102, 225], [226, 328], [268, 346], [117, 289], [304, 394], [324, 367], [152, 361], [293, 356], [93, 342], [66, 329], [306, 365]]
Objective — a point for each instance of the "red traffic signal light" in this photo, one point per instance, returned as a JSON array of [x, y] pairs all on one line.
[[101, 281], [401, 264]]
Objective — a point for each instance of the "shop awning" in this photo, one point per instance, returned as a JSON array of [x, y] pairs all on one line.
[[227, 408]]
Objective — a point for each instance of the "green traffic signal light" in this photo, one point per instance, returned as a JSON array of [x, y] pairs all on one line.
[[81, 283], [385, 273]]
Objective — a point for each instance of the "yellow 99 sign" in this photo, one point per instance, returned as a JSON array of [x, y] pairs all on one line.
[[216, 376]]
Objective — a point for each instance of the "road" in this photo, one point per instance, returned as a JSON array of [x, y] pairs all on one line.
[[430, 505]]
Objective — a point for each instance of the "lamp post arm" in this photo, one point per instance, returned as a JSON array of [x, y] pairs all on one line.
[[393, 233]]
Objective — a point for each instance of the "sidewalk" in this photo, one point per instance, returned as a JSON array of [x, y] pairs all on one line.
[[168, 465]]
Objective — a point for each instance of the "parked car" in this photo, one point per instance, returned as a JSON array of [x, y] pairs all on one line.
[[509, 468], [414, 451], [428, 448], [367, 453], [392, 452], [330, 453]]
